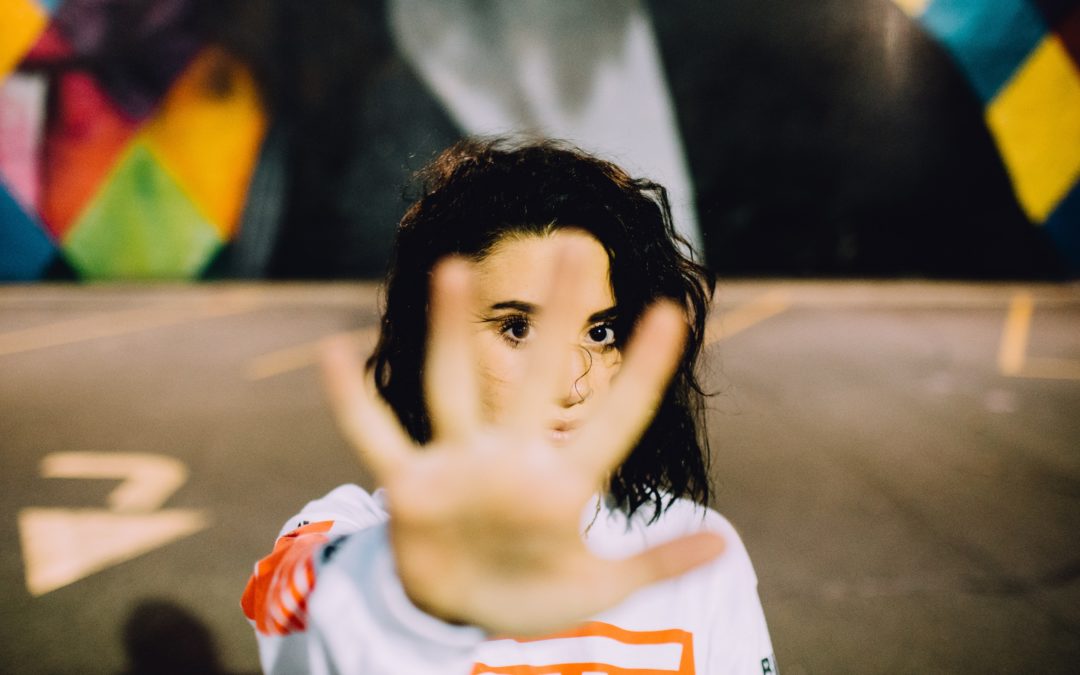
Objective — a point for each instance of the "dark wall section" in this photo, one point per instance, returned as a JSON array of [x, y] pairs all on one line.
[[354, 147], [831, 137], [354, 123], [837, 138]]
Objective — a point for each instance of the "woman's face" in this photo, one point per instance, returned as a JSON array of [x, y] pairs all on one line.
[[512, 283]]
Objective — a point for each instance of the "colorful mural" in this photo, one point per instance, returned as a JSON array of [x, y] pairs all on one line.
[[1022, 58], [138, 174], [935, 138]]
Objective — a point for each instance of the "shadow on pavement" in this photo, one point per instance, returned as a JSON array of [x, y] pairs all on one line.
[[162, 638]]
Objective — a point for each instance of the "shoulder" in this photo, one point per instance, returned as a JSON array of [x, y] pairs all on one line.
[[685, 517], [613, 534], [680, 518], [347, 508], [724, 591]]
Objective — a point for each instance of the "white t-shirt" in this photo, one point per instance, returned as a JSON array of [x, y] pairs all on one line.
[[327, 600]]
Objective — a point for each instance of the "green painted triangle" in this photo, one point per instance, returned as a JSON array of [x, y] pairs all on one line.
[[141, 225]]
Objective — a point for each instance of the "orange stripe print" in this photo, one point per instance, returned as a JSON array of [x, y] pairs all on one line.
[[272, 599], [684, 639]]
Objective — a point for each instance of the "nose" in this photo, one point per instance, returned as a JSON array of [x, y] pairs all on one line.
[[577, 386]]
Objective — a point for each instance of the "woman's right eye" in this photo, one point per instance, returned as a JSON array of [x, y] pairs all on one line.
[[515, 330]]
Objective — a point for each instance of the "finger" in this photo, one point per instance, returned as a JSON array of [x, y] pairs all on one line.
[[548, 353], [671, 559], [613, 580], [450, 386], [651, 357], [365, 420]]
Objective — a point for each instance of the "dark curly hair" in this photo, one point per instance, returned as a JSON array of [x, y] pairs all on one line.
[[481, 190]]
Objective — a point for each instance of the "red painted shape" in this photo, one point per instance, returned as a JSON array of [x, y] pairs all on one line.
[[50, 46], [83, 141]]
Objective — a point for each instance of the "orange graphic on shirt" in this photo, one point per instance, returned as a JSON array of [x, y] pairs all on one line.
[[276, 594], [683, 639]]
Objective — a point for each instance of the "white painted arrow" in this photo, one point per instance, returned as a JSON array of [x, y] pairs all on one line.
[[61, 546], [149, 480]]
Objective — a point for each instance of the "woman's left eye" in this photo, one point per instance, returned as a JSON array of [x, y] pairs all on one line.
[[602, 334]]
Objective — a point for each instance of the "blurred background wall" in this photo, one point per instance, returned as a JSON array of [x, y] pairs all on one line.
[[182, 139]]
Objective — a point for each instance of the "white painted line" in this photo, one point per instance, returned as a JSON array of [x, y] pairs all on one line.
[[62, 546]]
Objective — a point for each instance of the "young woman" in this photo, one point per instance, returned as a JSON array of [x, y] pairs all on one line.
[[533, 416]]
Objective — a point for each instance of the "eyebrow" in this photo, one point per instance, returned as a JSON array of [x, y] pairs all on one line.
[[529, 308]]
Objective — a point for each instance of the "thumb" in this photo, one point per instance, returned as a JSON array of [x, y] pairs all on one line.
[[675, 557]]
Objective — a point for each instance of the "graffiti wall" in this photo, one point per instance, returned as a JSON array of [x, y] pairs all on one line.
[[1021, 59], [126, 145], [186, 139]]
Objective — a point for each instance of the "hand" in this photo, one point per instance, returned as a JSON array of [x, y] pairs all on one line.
[[485, 519]]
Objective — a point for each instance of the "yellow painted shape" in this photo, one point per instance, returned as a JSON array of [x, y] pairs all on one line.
[[1013, 359], [307, 354], [124, 322], [207, 135], [1014, 337], [913, 8], [723, 325], [738, 319], [21, 23], [1036, 123]]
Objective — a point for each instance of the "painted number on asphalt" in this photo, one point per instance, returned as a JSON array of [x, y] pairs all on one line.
[[63, 545]]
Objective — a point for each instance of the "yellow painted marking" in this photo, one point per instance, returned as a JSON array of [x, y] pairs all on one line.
[[307, 354], [744, 316], [1014, 338], [913, 8], [725, 325], [148, 480], [113, 324], [1013, 360], [304, 355]]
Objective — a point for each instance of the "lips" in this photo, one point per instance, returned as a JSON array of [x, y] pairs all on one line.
[[563, 430]]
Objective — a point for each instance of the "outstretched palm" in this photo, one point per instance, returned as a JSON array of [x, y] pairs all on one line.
[[485, 519]]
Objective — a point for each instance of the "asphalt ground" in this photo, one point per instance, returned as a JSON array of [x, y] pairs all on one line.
[[901, 459]]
